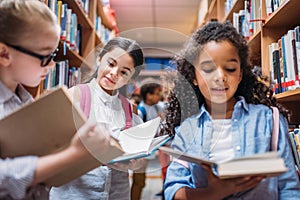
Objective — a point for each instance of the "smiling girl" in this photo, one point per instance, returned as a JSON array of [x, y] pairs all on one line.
[[119, 62]]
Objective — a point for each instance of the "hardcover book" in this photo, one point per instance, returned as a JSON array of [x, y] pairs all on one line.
[[266, 164], [46, 126]]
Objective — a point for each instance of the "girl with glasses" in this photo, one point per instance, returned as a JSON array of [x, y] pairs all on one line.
[[28, 39]]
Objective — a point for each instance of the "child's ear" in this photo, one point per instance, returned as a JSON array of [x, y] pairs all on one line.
[[5, 57], [241, 75], [98, 60]]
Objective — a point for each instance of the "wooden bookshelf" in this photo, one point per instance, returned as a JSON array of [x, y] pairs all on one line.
[[286, 17], [89, 38], [238, 5]]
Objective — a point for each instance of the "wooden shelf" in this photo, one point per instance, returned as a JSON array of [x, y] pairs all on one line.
[[98, 41], [255, 48], [289, 96], [285, 17], [75, 60], [238, 5], [81, 15]]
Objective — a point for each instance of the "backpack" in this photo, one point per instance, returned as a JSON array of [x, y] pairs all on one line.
[[85, 104], [275, 134], [143, 110]]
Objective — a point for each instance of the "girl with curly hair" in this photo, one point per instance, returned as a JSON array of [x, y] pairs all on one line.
[[219, 110]]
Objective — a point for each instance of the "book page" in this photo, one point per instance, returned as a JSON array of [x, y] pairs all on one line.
[[158, 141], [138, 138]]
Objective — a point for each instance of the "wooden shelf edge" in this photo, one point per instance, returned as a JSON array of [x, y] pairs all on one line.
[[81, 16], [236, 7], [104, 19], [292, 95], [254, 37], [212, 5], [277, 14], [98, 40]]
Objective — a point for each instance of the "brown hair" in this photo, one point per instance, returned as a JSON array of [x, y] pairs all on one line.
[[18, 19]]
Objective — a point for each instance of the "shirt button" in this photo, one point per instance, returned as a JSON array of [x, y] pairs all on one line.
[[238, 148], [240, 104], [235, 120]]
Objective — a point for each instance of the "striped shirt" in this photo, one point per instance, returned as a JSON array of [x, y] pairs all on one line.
[[16, 174]]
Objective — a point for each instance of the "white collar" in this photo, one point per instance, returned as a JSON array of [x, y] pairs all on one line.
[[104, 96]]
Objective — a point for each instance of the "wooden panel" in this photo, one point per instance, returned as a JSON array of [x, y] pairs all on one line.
[[255, 49], [289, 96]]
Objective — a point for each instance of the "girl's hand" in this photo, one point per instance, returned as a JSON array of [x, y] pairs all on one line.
[[133, 164], [91, 138], [226, 187]]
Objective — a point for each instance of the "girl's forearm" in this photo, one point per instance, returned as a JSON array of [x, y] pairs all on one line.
[[50, 165], [187, 193]]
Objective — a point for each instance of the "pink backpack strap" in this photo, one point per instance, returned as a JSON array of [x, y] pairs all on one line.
[[85, 99], [128, 112], [275, 131]]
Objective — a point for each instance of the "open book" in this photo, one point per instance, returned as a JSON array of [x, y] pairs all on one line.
[[46, 126], [266, 164], [140, 141]]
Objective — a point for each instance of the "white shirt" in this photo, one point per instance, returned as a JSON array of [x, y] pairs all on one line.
[[221, 148], [108, 109]]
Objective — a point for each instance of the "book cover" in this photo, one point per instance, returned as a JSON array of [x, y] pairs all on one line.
[[46, 126], [266, 164]]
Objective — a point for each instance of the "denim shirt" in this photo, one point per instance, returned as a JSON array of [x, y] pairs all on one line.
[[251, 133]]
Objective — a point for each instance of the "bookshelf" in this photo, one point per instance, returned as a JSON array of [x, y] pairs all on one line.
[[272, 27], [89, 39]]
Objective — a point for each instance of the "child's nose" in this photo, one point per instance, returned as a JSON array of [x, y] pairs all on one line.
[[220, 75], [114, 70]]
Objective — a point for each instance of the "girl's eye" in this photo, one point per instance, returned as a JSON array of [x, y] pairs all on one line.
[[111, 64], [231, 70], [124, 73], [208, 70]]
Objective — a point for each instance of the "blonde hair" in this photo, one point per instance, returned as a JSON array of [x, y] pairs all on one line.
[[20, 18]]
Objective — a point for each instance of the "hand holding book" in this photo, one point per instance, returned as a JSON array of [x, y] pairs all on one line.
[[263, 164]]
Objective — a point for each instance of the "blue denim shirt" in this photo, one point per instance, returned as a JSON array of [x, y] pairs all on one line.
[[251, 133]]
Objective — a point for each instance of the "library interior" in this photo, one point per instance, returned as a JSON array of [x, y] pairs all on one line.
[[162, 30]]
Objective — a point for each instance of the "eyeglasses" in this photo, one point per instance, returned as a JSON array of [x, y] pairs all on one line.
[[45, 60]]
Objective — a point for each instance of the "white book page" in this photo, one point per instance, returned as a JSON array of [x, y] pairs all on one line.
[[139, 138]]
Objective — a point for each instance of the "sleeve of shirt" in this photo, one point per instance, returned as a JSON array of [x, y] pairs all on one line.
[[16, 175], [178, 175], [288, 183]]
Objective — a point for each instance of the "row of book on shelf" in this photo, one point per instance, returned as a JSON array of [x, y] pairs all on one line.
[[284, 59], [71, 30], [61, 75], [295, 144], [249, 20]]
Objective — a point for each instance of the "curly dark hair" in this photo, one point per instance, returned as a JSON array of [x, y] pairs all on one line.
[[188, 96]]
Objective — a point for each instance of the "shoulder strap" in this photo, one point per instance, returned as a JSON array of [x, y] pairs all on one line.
[[275, 131], [85, 99], [128, 112], [143, 110]]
